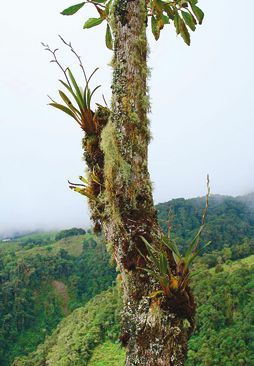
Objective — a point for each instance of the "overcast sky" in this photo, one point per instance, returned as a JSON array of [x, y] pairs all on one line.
[[202, 110]]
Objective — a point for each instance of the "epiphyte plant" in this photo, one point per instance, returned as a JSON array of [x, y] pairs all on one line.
[[184, 14], [173, 280], [79, 106], [86, 187]]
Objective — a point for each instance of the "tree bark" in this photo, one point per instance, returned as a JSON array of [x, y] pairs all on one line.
[[155, 330]]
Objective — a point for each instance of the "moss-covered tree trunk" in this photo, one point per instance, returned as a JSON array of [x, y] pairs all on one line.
[[155, 332]]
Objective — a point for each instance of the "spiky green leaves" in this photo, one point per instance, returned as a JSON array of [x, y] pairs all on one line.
[[86, 187], [80, 108], [191, 253], [158, 267], [183, 14], [157, 258]]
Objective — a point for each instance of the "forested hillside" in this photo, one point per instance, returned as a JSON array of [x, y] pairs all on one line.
[[229, 219], [224, 333], [43, 280], [45, 276]]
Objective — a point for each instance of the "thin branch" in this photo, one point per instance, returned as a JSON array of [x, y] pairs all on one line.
[[105, 100], [47, 48], [75, 53], [205, 210], [96, 5]]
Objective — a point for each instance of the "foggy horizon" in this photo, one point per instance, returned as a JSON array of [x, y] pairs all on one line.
[[12, 232], [201, 120]]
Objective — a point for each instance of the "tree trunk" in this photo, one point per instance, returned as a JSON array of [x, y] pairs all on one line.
[[154, 331]]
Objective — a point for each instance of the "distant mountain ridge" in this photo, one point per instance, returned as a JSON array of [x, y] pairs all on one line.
[[229, 219], [219, 205]]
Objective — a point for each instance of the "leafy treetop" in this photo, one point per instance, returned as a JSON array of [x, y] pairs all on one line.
[[184, 14]]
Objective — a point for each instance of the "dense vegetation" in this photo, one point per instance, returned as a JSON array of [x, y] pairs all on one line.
[[229, 219], [70, 232], [225, 317], [224, 334], [75, 338], [43, 279], [42, 284]]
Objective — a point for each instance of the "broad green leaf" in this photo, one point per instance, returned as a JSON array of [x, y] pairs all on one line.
[[177, 22], [188, 20], [155, 28], [170, 12], [158, 6], [198, 13], [161, 23], [184, 32], [73, 9], [108, 38], [165, 19], [92, 22]]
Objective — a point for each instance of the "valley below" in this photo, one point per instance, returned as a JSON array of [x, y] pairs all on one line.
[[60, 299]]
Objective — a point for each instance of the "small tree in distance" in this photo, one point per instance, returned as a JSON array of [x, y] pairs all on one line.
[[159, 308]]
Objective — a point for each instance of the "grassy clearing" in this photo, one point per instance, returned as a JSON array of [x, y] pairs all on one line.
[[9, 246], [44, 235], [73, 245], [108, 354], [232, 266]]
